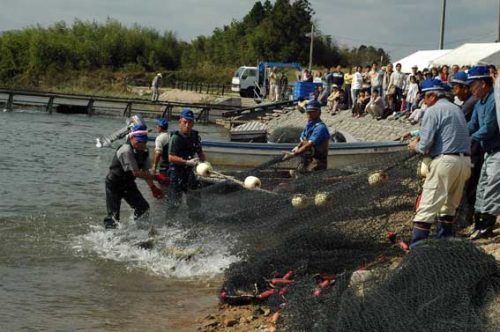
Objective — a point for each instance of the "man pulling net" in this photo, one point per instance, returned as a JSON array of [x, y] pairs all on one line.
[[131, 161], [185, 152], [313, 146]]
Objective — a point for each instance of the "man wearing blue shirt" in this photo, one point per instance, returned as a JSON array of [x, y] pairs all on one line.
[[313, 146], [484, 129], [444, 138], [460, 85]]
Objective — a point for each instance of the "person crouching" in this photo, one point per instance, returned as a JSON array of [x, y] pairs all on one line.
[[313, 146]]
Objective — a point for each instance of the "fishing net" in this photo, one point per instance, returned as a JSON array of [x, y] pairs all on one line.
[[327, 251]]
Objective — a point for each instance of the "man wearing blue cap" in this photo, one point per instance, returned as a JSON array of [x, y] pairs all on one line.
[[443, 137], [484, 129], [461, 90], [313, 146], [161, 147], [185, 152], [131, 161]]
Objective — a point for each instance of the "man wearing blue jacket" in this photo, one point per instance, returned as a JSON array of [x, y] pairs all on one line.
[[484, 129], [313, 146]]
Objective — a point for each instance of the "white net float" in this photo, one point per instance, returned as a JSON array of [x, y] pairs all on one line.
[[204, 169], [252, 182], [377, 178]]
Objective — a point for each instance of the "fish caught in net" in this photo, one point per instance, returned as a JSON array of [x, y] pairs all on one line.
[[327, 251]]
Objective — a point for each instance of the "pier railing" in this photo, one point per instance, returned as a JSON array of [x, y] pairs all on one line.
[[118, 106]]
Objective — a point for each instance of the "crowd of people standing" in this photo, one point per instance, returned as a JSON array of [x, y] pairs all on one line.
[[459, 133]]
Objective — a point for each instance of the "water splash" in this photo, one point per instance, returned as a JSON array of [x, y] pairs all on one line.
[[172, 252]]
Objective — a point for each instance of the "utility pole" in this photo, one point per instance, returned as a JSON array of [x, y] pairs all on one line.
[[311, 48], [441, 39], [498, 37]]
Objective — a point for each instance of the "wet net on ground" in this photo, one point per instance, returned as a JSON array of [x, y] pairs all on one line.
[[347, 275]]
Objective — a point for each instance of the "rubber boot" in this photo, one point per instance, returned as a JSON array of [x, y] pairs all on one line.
[[484, 226], [110, 223], [420, 232], [445, 226]]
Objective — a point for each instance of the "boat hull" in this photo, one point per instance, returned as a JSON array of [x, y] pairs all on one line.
[[340, 155]]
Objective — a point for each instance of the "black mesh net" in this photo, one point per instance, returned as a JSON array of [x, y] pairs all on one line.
[[341, 235]]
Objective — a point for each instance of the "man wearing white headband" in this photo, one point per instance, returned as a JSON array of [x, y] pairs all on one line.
[[131, 161]]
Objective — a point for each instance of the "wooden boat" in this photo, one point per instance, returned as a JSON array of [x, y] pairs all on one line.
[[250, 155]]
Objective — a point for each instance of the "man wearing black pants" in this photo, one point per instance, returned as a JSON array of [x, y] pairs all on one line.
[[184, 154], [131, 160]]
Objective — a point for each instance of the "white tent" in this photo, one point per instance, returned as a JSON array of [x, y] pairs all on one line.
[[471, 54], [422, 59]]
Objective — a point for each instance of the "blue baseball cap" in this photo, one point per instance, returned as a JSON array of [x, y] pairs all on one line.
[[138, 127], [139, 132], [313, 105], [478, 72], [431, 85], [187, 114], [163, 123], [461, 77], [141, 138]]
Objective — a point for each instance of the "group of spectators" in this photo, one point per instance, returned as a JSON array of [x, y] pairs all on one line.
[[459, 133], [383, 92]]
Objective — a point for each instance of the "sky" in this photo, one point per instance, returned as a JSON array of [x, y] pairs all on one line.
[[401, 27]]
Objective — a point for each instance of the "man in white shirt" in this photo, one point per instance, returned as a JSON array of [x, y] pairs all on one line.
[[160, 160], [396, 82]]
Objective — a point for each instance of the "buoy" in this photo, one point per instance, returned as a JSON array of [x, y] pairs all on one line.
[[321, 199], [204, 169], [423, 167], [252, 182], [377, 178], [299, 201]]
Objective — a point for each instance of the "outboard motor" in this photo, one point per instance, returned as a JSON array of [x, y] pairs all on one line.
[[120, 133]]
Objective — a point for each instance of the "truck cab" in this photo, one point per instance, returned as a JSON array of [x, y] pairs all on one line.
[[244, 81]]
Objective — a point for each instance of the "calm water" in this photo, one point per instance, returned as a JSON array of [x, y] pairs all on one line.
[[59, 268]]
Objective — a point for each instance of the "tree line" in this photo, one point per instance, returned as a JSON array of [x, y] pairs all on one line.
[[270, 32]]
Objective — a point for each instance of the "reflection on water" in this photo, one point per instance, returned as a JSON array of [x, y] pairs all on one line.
[[59, 269]]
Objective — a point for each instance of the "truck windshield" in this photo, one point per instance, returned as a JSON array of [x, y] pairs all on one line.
[[238, 72]]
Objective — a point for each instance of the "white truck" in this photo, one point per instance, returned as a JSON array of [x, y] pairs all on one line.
[[252, 81], [244, 81]]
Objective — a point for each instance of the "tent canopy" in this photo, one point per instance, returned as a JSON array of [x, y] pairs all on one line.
[[471, 54], [422, 59]]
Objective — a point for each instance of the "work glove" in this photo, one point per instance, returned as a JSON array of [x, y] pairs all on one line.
[[295, 149], [157, 192], [192, 162]]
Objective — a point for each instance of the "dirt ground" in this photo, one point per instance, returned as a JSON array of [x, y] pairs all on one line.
[[190, 96], [260, 318]]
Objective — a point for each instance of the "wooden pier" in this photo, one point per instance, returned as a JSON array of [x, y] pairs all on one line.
[[99, 105]]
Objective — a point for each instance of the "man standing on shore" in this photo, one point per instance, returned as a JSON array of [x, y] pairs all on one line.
[[184, 154], [461, 90], [313, 146], [337, 77], [484, 129], [155, 88], [376, 77], [273, 85], [443, 137], [131, 161]]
